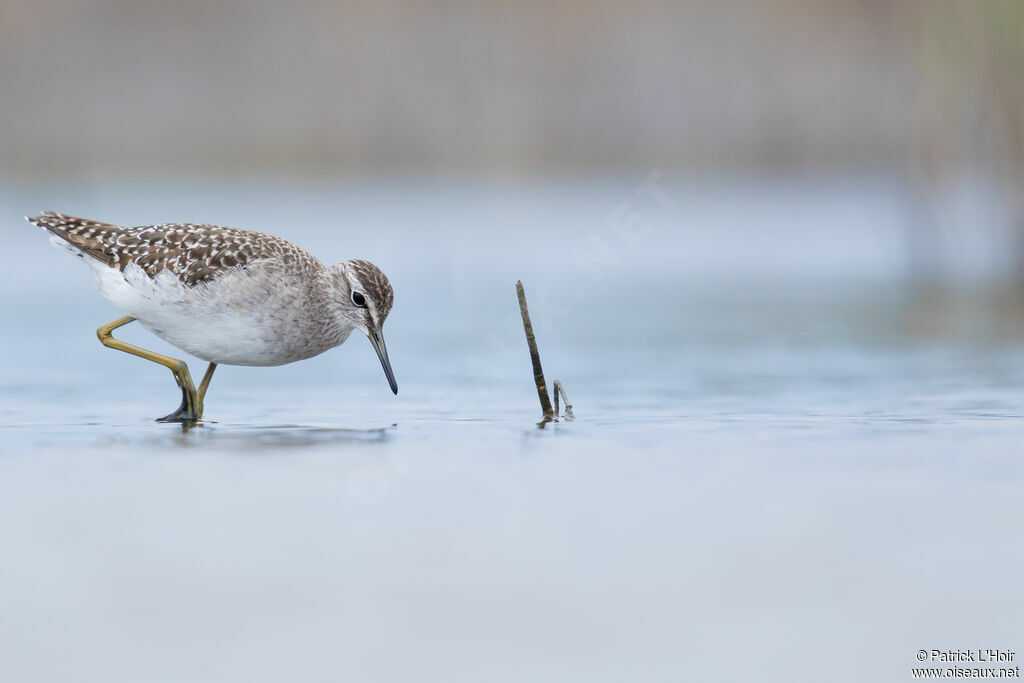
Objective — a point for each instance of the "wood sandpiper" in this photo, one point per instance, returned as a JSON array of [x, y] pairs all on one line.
[[225, 295]]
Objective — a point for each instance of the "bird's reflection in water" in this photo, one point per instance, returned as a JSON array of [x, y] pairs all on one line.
[[246, 438]]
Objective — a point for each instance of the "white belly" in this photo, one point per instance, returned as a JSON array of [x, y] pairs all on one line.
[[239, 319]]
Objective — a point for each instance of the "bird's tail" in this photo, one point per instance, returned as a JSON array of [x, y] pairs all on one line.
[[75, 235]]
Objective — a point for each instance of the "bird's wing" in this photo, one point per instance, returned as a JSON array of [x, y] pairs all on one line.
[[193, 252]]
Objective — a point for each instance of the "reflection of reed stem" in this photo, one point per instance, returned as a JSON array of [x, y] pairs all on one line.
[[531, 341]]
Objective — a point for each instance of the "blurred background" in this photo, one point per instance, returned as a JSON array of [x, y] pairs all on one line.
[[929, 91], [914, 108], [774, 249]]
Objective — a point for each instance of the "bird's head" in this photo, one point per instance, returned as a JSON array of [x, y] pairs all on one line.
[[364, 299]]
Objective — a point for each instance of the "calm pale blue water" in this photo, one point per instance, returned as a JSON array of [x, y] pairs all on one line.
[[774, 474]]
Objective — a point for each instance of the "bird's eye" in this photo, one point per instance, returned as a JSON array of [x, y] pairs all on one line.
[[358, 299]]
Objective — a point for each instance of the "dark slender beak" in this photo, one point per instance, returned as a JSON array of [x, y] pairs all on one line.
[[377, 339]]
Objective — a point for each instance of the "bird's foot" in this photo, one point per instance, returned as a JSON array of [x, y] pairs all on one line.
[[187, 412]]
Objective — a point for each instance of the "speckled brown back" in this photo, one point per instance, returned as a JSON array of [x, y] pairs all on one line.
[[193, 252]]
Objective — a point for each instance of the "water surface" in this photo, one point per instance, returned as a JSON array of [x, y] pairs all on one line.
[[773, 474]]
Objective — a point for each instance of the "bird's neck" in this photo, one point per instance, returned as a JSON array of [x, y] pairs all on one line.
[[326, 293]]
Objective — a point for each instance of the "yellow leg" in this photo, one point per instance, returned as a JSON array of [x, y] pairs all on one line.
[[204, 384], [191, 408]]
